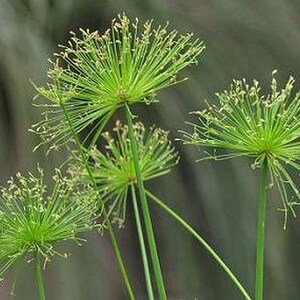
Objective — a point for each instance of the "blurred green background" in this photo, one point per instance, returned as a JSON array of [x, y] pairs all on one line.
[[244, 39]]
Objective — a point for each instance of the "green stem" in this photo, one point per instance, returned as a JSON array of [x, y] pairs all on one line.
[[104, 211], [260, 238], [145, 209], [98, 132], [193, 232], [142, 245], [39, 277]]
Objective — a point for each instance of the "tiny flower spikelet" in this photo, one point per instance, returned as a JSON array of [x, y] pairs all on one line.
[[114, 171], [246, 123], [95, 74], [32, 219]]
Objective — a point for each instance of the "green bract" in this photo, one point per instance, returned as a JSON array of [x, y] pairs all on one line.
[[33, 219], [114, 171], [249, 124], [98, 73]]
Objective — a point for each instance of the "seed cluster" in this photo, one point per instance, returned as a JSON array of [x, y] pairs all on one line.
[[34, 220], [95, 74], [247, 123], [114, 171]]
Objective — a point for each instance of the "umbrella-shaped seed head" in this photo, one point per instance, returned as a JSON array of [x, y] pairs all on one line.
[[247, 123], [33, 219], [128, 63], [114, 171]]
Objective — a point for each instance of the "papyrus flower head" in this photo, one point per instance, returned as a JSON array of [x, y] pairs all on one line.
[[247, 123], [128, 63], [33, 219], [114, 171]]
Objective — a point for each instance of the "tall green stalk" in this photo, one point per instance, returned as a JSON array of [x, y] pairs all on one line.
[[194, 233], [260, 242], [142, 245], [145, 210], [39, 277], [265, 128], [105, 214]]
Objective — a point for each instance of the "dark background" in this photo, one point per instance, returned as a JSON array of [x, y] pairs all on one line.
[[243, 39]]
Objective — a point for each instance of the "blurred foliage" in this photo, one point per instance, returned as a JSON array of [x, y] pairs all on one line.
[[244, 39]]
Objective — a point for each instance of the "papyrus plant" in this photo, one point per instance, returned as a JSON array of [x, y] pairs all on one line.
[[35, 218], [90, 79], [114, 170], [116, 179], [246, 123], [98, 73]]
